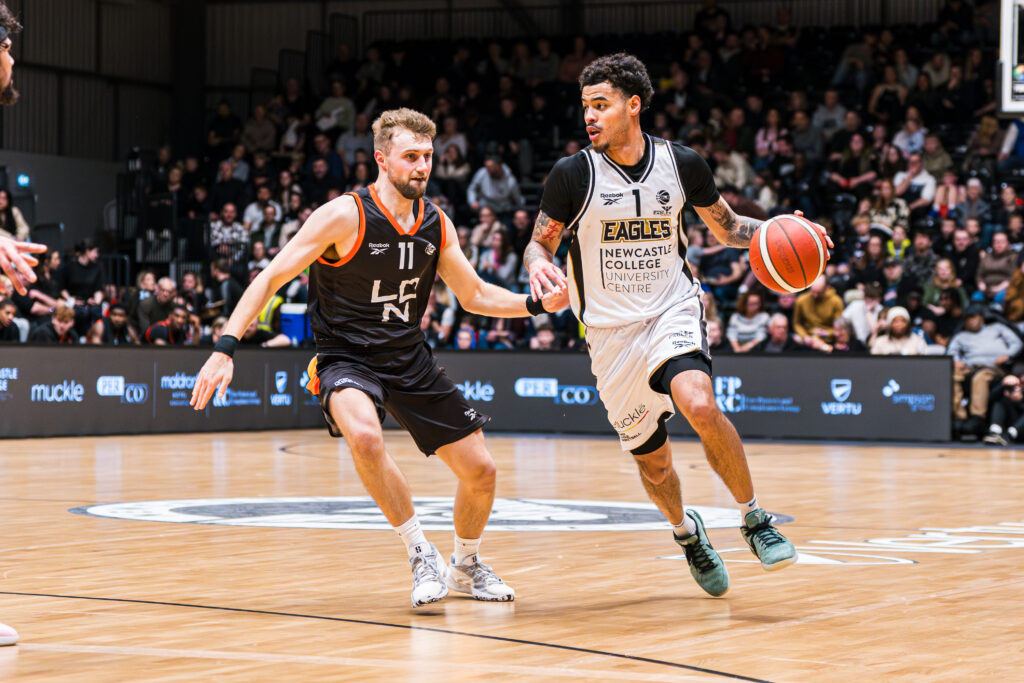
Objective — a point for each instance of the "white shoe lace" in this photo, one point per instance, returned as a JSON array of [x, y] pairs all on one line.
[[425, 568]]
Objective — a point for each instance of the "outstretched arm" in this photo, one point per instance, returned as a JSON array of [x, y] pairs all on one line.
[[480, 297], [335, 224], [737, 231], [539, 257]]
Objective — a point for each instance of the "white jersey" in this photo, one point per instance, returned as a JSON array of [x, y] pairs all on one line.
[[627, 258]]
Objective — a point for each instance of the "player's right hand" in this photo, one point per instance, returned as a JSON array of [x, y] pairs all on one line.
[[16, 261], [545, 278], [215, 376]]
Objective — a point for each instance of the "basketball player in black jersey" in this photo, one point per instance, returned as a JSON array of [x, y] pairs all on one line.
[[374, 254], [630, 285], [16, 260], [113, 329]]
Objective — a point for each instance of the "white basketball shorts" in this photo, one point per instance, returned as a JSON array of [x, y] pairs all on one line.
[[624, 358]]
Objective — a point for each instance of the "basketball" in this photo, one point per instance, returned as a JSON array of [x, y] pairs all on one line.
[[787, 254]]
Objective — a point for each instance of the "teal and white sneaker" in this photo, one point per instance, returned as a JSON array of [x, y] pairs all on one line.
[[479, 580], [768, 545], [428, 577], [706, 566]]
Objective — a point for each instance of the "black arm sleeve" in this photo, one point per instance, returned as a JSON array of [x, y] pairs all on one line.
[[696, 177], [566, 188]]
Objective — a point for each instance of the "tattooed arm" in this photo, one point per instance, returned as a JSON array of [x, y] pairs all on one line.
[[539, 256], [730, 229]]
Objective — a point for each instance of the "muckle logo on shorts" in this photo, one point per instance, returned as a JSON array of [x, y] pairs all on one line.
[[563, 394], [628, 426], [435, 514]]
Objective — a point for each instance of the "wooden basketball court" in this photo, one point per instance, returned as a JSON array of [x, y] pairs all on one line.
[[910, 566]]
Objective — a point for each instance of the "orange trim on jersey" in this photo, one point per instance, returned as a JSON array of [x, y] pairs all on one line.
[[359, 237], [444, 228], [313, 385], [394, 223]]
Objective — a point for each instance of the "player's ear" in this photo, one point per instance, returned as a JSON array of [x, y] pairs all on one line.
[[380, 158], [635, 104]]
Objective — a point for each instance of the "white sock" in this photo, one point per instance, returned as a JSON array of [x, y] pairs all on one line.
[[685, 528], [466, 549], [747, 507], [1012, 433], [996, 429], [412, 535]]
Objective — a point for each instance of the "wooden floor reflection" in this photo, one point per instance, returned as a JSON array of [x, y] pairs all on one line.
[[910, 566]]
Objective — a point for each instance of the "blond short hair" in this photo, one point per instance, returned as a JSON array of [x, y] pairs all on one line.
[[64, 314], [389, 122]]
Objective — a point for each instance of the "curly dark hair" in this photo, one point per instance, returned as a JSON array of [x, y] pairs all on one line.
[[624, 72], [8, 24]]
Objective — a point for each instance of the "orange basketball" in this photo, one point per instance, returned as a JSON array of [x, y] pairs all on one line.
[[786, 254]]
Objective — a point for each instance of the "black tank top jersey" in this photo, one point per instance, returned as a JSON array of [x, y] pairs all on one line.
[[110, 337], [375, 294]]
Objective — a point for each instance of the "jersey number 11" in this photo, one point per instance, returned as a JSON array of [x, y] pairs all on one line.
[[405, 261]]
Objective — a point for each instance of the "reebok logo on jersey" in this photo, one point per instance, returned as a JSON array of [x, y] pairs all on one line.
[[611, 198], [636, 230], [378, 249]]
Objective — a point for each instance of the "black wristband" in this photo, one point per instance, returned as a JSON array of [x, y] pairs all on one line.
[[534, 306], [226, 345]]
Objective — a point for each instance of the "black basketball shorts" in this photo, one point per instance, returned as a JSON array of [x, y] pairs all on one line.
[[406, 383]]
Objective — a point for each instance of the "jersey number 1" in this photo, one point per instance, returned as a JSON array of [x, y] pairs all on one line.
[[405, 262], [636, 196]]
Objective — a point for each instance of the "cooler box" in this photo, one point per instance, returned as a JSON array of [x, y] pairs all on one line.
[[295, 323]]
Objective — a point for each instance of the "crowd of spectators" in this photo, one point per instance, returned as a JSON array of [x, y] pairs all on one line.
[[887, 136]]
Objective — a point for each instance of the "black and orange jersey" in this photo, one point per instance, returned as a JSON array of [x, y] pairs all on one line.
[[375, 294], [162, 330]]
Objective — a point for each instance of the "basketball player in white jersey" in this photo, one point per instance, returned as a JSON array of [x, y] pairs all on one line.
[[16, 258], [622, 199]]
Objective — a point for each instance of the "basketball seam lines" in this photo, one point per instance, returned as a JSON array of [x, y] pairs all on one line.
[[797, 254], [766, 259]]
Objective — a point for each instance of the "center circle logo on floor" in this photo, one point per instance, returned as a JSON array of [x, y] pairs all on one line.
[[435, 513]]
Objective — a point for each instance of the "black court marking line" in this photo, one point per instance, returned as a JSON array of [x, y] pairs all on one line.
[[410, 627]]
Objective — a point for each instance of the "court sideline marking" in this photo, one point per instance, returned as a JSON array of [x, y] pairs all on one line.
[[410, 627]]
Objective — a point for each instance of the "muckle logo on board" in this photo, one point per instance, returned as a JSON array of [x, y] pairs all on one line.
[[435, 513]]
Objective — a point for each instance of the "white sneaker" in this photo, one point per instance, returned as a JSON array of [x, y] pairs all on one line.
[[428, 577], [479, 580], [8, 636]]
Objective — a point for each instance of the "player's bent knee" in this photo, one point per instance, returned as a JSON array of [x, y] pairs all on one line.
[[698, 407], [482, 474], [364, 441]]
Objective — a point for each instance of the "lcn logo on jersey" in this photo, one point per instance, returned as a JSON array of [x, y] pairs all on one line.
[[636, 229], [406, 291]]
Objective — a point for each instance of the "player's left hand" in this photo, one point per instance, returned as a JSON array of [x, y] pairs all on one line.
[[822, 232], [214, 377], [556, 300], [16, 261]]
